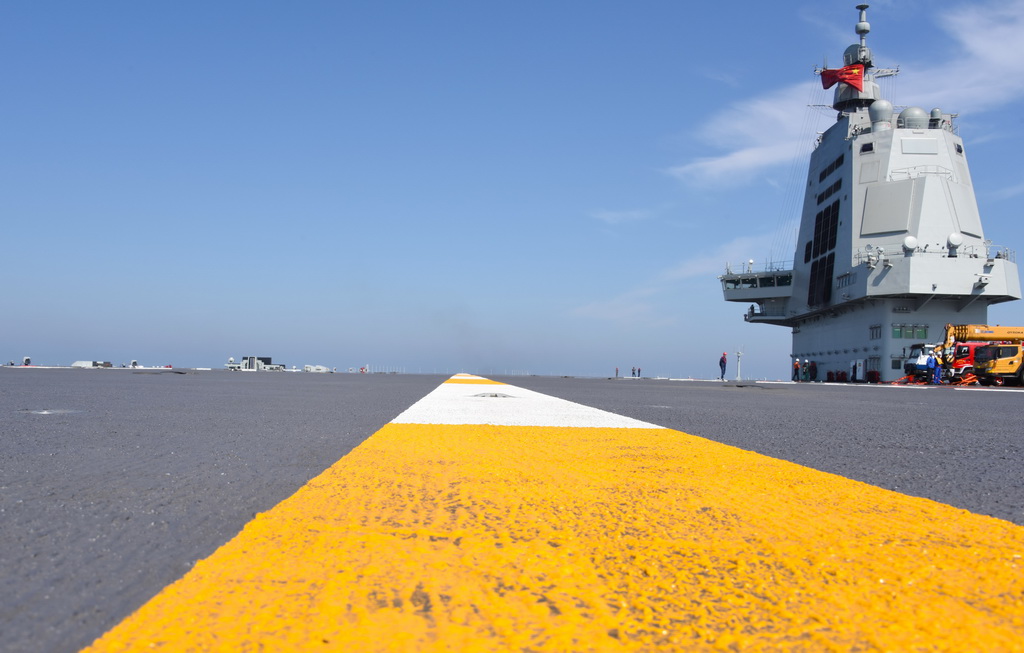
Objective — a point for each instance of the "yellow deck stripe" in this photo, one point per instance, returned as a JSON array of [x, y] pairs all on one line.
[[471, 537]]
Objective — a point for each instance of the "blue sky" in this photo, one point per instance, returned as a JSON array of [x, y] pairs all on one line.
[[444, 186]]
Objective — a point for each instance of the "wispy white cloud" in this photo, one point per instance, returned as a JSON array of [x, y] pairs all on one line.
[[984, 68], [981, 69], [825, 24], [759, 132], [648, 301], [739, 251], [1008, 192], [729, 79], [636, 304], [618, 217]]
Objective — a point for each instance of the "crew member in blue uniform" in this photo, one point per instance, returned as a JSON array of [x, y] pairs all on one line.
[[931, 368]]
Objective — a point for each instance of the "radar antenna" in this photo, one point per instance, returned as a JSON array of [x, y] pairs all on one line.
[[863, 26]]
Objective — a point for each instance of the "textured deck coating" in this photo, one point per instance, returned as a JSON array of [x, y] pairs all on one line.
[[499, 537]]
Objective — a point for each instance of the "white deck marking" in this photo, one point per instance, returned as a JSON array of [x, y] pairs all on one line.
[[458, 403]]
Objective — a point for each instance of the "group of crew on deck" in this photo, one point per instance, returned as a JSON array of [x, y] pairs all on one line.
[[805, 371]]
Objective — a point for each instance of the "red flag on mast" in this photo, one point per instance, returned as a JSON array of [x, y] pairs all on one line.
[[852, 75]]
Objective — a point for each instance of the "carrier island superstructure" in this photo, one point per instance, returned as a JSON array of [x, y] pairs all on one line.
[[890, 246]]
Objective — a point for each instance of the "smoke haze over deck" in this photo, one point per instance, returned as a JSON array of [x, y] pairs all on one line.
[[461, 187]]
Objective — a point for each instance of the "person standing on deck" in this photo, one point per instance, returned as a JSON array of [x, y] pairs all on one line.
[[721, 364], [934, 370]]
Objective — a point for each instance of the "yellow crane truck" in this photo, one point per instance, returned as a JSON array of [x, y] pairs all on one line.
[[997, 362]]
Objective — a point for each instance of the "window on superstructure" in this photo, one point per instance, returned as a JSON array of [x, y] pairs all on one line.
[[875, 331], [826, 281], [830, 168], [921, 332], [833, 225], [826, 226], [820, 251], [897, 331], [830, 191], [819, 291], [816, 250], [867, 147]]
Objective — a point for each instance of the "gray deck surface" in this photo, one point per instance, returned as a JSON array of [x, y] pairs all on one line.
[[132, 477]]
